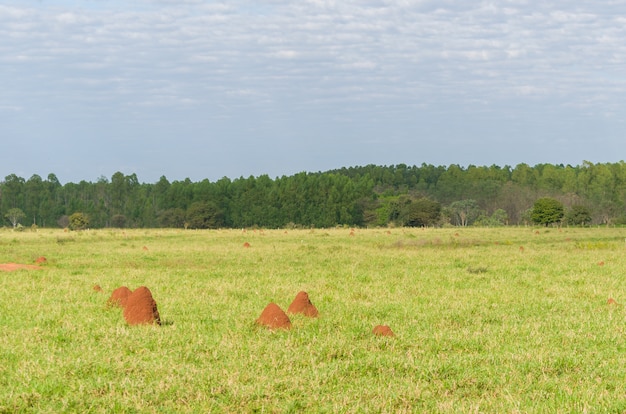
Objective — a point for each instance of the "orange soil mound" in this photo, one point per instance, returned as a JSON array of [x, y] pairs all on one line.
[[97, 288], [10, 267], [141, 308], [41, 259], [302, 304], [611, 301], [246, 244], [274, 317], [119, 297], [382, 330]]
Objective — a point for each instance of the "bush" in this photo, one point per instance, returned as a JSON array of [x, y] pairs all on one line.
[[78, 221], [173, 217], [578, 215], [204, 216]]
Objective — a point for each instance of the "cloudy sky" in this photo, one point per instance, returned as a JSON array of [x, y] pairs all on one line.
[[206, 89]]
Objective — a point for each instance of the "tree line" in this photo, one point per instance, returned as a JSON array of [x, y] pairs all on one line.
[[365, 196]]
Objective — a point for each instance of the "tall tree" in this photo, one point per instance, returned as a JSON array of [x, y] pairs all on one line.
[[33, 198], [13, 192]]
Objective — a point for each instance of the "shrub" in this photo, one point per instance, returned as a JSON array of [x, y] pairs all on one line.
[[78, 221]]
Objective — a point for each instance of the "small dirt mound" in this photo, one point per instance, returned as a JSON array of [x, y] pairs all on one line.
[[382, 330], [274, 317], [302, 304], [10, 267], [141, 308], [611, 301], [246, 245], [119, 297], [41, 260], [97, 288]]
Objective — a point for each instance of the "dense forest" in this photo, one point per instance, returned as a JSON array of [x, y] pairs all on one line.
[[365, 196]]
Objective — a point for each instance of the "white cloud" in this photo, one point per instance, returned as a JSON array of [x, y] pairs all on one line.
[[321, 58], [286, 54]]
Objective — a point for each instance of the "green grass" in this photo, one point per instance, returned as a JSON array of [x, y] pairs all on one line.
[[486, 320]]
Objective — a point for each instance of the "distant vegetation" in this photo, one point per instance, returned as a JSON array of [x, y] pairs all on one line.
[[367, 196]]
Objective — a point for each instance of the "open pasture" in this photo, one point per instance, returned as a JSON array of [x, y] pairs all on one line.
[[485, 320]]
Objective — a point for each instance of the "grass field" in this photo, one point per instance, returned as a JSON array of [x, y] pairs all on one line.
[[486, 320]]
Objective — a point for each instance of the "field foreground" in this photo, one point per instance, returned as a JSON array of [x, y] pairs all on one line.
[[485, 320]]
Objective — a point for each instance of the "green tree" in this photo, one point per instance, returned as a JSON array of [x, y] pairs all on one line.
[[33, 196], [464, 212], [547, 211], [497, 219], [423, 212], [12, 192], [398, 210], [78, 221], [578, 215], [172, 218], [201, 215], [14, 215], [52, 206]]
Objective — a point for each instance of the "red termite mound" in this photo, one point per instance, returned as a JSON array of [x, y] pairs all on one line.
[[382, 330], [302, 304], [141, 308], [119, 297], [274, 317]]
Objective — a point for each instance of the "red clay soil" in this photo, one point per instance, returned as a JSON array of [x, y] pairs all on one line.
[[611, 301], [141, 309], [119, 297], [97, 288], [41, 259], [302, 304], [382, 330], [10, 267], [274, 317], [246, 245]]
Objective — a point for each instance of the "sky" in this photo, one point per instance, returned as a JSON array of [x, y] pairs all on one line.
[[207, 89]]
